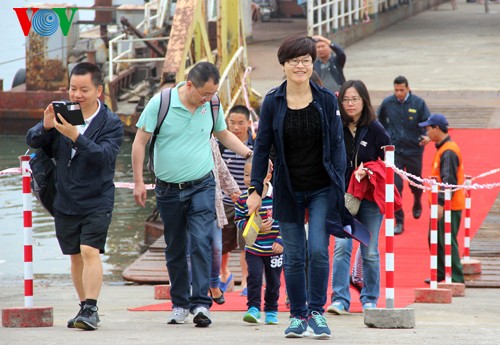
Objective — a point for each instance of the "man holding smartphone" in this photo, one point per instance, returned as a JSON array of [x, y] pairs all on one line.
[[85, 157]]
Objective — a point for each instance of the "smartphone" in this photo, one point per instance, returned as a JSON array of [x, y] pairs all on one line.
[[71, 111]]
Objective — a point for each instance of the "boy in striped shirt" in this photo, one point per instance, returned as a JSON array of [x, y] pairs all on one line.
[[264, 256]]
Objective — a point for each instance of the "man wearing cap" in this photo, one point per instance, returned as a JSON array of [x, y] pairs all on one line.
[[400, 114], [447, 167]]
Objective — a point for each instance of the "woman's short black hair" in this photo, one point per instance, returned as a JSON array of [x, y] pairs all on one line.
[[295, 46]]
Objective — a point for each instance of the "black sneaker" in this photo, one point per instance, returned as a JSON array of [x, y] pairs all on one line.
[[71, 322], [88, 318]]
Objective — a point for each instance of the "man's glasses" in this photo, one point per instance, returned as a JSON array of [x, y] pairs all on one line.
[[353, 100], [206, 96], [305, 62]]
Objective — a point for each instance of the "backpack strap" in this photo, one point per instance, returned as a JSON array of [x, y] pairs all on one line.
[[164, 106], [214, 105], [162, 114]]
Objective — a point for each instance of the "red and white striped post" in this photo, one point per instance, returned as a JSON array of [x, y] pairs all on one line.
[[447, 235], [457, 289], [389, 226], [27, 316], [28, 232], [469, 266], [467, 222], [389, 317], [434, 234]]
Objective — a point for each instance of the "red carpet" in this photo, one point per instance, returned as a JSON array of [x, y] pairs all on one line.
[[412, 261]]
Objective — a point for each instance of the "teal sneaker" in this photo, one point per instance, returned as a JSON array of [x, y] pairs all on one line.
[[252, 315], [271, 317], [297, 328], [317, 325]]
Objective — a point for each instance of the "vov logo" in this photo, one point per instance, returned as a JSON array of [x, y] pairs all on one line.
[[45, 21]]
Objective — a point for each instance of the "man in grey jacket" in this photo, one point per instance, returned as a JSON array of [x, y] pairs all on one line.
[[329, 63], [400, 114]]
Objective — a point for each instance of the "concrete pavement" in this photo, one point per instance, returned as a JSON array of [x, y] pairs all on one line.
[[470, 320], [438, 51], [449, 57]]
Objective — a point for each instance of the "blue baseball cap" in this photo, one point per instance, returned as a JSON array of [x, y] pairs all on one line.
[[435, 120]]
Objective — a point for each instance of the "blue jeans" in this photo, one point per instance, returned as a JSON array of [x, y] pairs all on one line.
[[188, 214], [305, 299], [369, 215], [216, 256]]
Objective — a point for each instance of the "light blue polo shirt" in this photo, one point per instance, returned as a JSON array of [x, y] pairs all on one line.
[[182, 151]]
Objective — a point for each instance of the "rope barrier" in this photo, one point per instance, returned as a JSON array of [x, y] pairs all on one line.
[[425, 183], [406, 176]]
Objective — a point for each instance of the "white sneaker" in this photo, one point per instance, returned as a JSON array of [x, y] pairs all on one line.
[[201, 317], [178, 316]]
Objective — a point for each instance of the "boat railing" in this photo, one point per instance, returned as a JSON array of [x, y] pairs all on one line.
[[121, 50], [328, 16], [231, 82], [156, 21]]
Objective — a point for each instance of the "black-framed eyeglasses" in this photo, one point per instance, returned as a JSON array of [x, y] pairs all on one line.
[[207, 96], [305, 62], [354, 100]]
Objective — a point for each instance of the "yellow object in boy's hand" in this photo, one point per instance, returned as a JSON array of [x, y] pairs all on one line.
[[251, 230]]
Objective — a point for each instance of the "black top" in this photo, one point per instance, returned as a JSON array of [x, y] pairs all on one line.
[[350, 147], [304, 149], [366, 146]]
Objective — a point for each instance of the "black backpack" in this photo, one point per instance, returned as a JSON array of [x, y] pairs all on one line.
[[43, 179], [162, 114]]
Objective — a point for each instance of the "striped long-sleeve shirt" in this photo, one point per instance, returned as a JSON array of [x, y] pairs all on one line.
[[236, 164], [263, 245]]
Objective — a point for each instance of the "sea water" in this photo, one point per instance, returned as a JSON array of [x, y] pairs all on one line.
[[49, 264]]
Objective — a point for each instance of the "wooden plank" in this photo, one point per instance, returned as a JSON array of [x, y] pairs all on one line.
[[485, 247], [151, 267]]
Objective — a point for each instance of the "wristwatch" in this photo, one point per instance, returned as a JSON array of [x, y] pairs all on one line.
[[249, 154], [250, 190]]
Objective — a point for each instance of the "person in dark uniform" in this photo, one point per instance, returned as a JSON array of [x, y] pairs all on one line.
[[400, 115]]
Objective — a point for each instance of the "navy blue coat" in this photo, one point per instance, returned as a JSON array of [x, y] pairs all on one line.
[[370, 144], [401, 122], [270, 133], [84, 183]]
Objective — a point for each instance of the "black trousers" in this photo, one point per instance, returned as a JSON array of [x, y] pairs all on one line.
[[271, 267], [412, 165]]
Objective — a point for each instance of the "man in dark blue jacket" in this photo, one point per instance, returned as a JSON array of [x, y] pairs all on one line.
[[85, 157], [400, 114]]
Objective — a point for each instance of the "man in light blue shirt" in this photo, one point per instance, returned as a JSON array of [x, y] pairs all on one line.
[[185, 186]]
